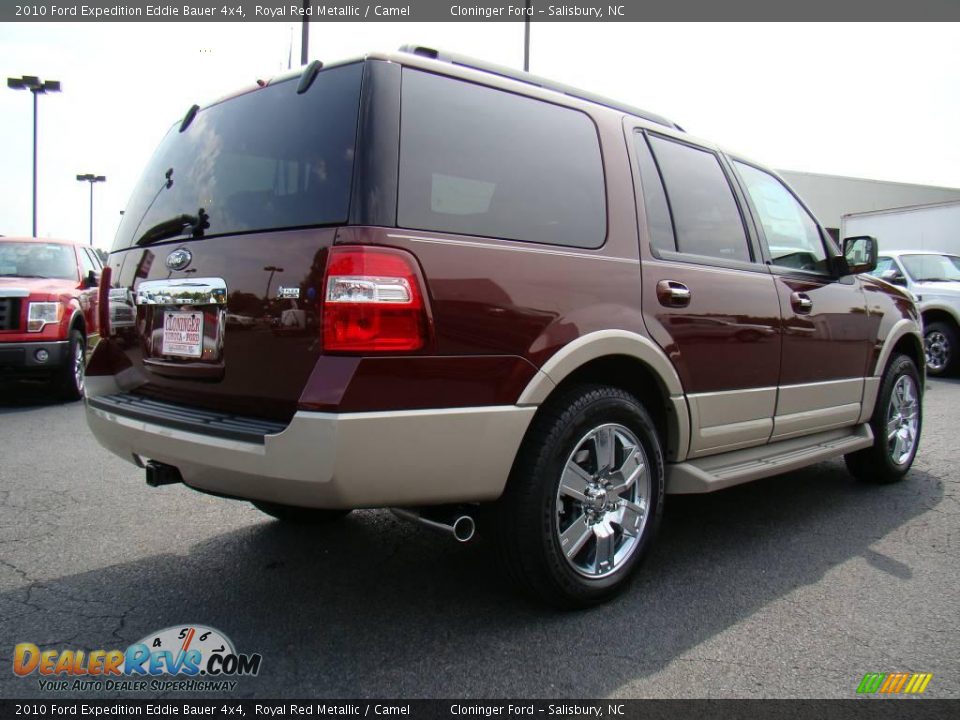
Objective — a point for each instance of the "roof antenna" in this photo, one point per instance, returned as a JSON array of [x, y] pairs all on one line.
[[188, 118], [308, 76]]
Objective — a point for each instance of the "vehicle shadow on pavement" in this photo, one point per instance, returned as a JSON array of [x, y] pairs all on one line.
[[16, 395], [372, 607]]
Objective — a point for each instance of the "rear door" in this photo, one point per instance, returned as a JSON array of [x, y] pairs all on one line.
[[827, 334], [708, 300]]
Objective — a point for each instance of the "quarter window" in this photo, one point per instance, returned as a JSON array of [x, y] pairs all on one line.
[[793, 238], [654, 199], [705, 213], [480, 161]]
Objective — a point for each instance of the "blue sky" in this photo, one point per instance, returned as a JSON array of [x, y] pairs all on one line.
[[869, 100]]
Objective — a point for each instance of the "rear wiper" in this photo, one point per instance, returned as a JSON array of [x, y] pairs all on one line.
[[178, 225]]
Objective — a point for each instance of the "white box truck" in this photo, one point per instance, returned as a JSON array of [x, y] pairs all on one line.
[[917, 227]]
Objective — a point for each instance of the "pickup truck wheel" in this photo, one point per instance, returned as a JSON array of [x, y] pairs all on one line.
[[940, 348], [71, 377], [299, 515], [896, 422], [584, 498]]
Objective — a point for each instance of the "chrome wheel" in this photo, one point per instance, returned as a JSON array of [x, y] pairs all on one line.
[[79, 368], [903, 419], [937, 350], [603, 501]]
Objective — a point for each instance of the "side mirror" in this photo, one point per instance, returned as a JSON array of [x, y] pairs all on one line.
[[92, 279], [860, 254]]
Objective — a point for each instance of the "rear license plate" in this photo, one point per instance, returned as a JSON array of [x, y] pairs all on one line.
[[183, 334]]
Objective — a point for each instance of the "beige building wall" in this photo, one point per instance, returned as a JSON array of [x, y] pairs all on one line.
[[833, 196]]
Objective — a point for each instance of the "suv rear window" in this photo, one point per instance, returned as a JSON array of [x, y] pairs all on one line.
[[264, 160], [480, 161]]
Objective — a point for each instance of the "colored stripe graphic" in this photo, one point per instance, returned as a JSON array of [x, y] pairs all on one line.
[[894, 683]]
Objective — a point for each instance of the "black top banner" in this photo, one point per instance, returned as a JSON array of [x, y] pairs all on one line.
[[474, 10]]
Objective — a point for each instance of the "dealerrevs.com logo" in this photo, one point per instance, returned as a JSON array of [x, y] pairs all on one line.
[[185, 658]]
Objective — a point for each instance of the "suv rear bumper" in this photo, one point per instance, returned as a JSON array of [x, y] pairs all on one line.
[[331, 460]]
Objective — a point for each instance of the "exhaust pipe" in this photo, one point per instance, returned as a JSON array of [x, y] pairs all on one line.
[[462, 526], [161, 474]]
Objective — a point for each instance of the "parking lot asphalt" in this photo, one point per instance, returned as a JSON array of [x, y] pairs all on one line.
[[793, 586]]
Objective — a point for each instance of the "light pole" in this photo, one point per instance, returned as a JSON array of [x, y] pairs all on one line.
[[526, 36], [271, 269], [305, 34], [37, 87], [91, 178]]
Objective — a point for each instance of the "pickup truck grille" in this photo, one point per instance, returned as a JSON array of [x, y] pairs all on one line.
[[9, 313]]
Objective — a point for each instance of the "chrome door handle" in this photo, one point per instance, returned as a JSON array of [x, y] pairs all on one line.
[[673, 294], [801, 302]]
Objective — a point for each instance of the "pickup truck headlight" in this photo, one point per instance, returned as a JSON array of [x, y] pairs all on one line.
[[41, 313]]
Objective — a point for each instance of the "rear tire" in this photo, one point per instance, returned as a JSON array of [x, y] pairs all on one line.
[[72, 374], [896, 424], [940, 345], [300, 515], [584, 498]]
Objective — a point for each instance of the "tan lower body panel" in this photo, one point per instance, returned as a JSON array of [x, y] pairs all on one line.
[[420, 457], [728, 420], [721, 471], [815, 407]]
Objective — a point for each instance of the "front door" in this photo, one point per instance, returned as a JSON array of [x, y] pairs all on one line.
[[826, 329]]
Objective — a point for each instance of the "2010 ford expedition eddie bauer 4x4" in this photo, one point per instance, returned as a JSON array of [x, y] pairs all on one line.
[[420, 283]]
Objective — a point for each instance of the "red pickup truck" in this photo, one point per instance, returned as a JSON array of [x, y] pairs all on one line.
[[48, 311]]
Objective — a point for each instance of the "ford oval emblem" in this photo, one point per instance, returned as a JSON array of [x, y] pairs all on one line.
[[179, 259]]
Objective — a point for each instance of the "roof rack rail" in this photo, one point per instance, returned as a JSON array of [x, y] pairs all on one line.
[[528, 78]]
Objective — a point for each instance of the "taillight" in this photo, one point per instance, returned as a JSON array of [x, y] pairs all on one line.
[[373, 301], [103, 302]]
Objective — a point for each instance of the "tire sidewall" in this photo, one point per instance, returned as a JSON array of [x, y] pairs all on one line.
[[68, 379], [612, 407], [950, 333], [901, 365]]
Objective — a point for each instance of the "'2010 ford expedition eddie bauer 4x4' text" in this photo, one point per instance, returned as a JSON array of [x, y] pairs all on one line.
[[464, 292]]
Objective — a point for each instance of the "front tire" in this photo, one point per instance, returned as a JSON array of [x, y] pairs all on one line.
[[940, 348], [584, 499], [896, 423], [72, 374], [299, 515]]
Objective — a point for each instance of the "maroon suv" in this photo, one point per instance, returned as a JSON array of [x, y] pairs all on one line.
[[412, 281]]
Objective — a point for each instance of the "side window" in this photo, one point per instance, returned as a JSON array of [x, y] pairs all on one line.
[[883, 264], [705, 213], [86, 263], [793, 238], [480, 161], [95, 259], [654, 199]]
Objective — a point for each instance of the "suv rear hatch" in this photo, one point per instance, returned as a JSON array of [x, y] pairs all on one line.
[[221, 251]]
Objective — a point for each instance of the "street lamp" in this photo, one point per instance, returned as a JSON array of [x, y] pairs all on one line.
[[91, 178], [271, 269], [37, 87]]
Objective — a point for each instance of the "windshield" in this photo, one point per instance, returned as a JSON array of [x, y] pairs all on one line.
[[37, 260], [932, 268], [268, 159]]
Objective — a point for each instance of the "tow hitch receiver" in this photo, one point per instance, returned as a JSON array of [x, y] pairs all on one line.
[[161, 474]]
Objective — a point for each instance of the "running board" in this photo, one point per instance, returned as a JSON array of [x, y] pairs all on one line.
[[716, 472]]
